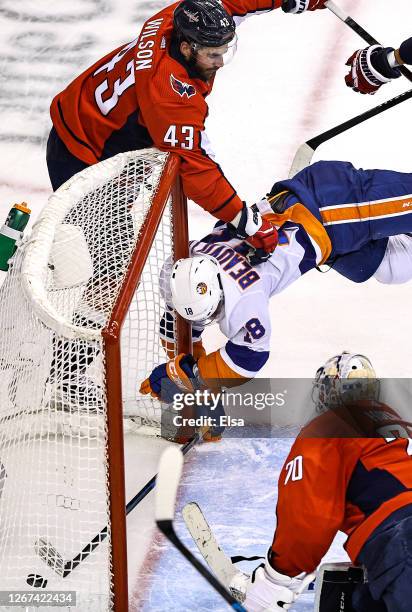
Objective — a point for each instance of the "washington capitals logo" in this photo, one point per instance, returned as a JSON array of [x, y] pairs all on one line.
[[183, 89], [193, 17]]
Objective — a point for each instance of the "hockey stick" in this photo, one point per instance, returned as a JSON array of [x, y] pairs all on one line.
[[202, 535], [304, 154], [63, 567], [361, 32], [221, 564], [170, 470]]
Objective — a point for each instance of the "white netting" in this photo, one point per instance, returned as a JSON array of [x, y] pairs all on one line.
[[56, 300]]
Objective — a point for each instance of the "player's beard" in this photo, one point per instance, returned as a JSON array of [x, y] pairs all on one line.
[[210, 73], [204, 74]]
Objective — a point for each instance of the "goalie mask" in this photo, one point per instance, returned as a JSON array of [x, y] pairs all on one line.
[[344, 379], [197, 292]]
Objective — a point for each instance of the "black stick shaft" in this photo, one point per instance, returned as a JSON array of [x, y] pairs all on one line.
[[350, 123], [166, 527], [358, 29], [361, 31], [151, 484], [69, 566], [372, 41]]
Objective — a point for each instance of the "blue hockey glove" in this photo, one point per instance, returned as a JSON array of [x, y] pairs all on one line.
[[177, 375]]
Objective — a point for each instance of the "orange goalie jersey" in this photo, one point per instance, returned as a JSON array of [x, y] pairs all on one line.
[[143, 94], [345, 483]]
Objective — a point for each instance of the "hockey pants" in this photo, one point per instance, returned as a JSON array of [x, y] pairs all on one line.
[[387, 556]]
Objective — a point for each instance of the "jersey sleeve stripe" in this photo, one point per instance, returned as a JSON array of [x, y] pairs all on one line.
[[72, 134], [358, 537], [243, 360], [368, 489], [225, 203], [214, 369]]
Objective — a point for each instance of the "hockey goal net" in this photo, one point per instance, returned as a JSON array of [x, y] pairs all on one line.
[[81, 315]]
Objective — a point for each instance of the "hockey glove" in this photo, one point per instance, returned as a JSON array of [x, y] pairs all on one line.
[[257, 256], [250, 226], [370, 69], [267, 590], [299, 6], [177, 375], [404, 52]]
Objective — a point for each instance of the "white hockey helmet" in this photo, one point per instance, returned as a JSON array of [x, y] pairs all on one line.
[[197, 291], [343, 379]]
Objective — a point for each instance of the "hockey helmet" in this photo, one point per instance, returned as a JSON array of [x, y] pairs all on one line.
[[196, 288], [204, 22], [345, 378]]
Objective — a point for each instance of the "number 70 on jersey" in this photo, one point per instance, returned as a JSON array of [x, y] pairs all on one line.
[[294, 469]]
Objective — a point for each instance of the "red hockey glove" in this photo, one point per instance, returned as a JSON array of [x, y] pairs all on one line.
[[370, 69], [299, 6], [177, 375], [265, 239], [258, 232], [262, 248]]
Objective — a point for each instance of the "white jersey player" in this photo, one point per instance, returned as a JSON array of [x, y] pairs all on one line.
[[359, 222], [217, 283], [244, 316]]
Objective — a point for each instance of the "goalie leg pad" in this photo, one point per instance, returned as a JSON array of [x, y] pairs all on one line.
[[335, 585]]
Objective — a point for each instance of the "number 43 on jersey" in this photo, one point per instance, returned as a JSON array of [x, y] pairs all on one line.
[[180, 136]]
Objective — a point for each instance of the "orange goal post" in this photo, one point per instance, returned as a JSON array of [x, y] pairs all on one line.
[[81, 316]]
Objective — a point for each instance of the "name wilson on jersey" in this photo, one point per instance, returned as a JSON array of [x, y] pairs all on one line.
[[144, 54]]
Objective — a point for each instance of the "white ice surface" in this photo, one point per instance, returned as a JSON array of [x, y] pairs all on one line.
[[284, 86]]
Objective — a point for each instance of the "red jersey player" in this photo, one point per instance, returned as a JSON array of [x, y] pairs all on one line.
[[152, 91], [349, 470]]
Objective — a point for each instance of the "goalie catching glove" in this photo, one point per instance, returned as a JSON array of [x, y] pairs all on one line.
[[258, 232], [177, 375], [299, 6], [370, 68], [267, 590]]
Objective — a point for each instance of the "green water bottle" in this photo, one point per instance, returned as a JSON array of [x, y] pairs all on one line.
[[12, 231]]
